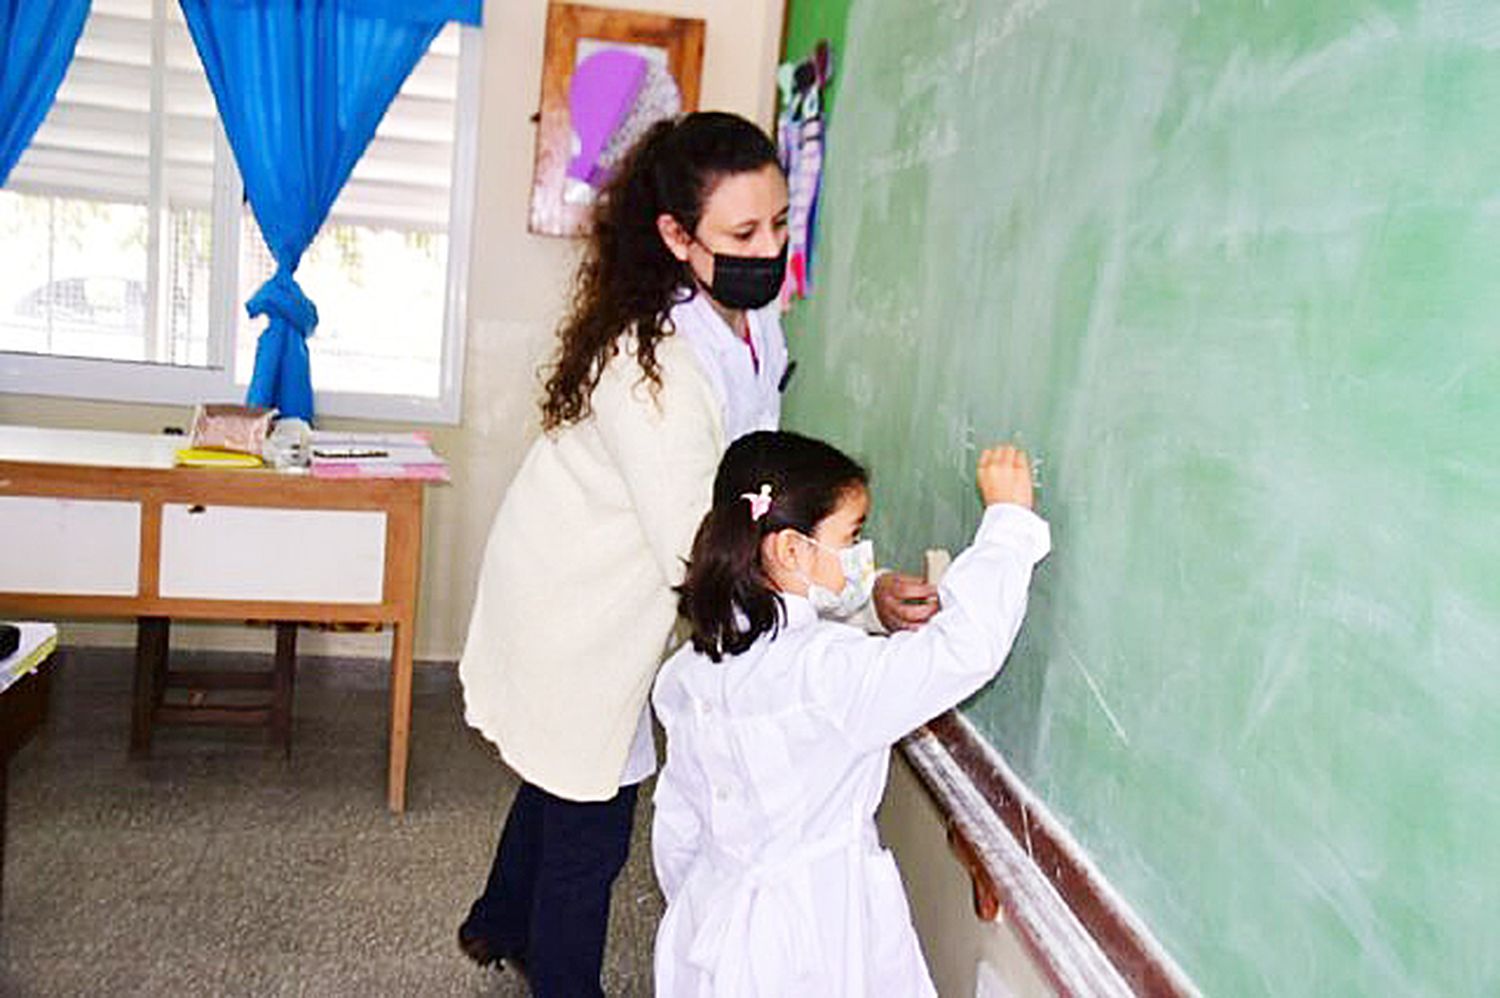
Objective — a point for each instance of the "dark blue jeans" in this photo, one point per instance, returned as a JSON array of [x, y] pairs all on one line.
[[547, 896]]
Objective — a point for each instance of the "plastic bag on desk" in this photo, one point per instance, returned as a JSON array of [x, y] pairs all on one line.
[[241, 428]]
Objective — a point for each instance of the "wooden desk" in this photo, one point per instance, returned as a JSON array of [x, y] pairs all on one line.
[[101, 525]]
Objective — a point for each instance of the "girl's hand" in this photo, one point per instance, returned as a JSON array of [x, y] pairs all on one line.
[[1004, 475]]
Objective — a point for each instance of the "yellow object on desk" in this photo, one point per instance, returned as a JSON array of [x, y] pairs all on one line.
[[209, 457]]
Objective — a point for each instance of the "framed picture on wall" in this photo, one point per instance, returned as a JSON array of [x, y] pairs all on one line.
[[607, 76]]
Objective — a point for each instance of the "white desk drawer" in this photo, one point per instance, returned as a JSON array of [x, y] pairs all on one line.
[[254, 553], [78, 547]]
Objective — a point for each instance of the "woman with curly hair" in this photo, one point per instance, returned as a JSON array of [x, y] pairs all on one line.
[[671, 349]]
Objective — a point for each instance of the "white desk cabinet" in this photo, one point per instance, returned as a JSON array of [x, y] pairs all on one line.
[[296, 555], [60, 545]]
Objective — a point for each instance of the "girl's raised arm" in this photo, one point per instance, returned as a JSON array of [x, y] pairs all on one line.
[[878, 689]]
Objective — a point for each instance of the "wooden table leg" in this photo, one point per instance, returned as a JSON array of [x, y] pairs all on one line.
[[282, 683], [403, 567], [151, 637], [402, 642]]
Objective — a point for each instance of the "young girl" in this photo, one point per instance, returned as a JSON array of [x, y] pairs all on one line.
[[779, 724]]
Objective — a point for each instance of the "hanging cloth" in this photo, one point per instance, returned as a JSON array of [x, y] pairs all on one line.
[[301, 86], [800, 136], [37, 39]]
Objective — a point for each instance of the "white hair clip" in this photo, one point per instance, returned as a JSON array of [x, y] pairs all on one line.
[[760, 502]]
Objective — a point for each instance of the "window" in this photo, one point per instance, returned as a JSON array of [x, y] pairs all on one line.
[[126, 251]]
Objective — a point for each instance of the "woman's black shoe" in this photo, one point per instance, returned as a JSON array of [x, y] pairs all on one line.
[[477, 948]]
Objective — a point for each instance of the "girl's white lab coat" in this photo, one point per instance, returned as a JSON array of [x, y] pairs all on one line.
[[574, 604], [764, 834]]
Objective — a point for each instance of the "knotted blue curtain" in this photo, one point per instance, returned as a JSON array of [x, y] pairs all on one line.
[[37, 39], [301, 85]]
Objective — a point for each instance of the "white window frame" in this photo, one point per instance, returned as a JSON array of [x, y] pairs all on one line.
[[139, 381]]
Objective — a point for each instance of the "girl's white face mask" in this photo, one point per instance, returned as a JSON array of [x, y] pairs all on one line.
[[858, 564]]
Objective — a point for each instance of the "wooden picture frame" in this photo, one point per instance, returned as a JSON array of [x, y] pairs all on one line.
[[651, 54]]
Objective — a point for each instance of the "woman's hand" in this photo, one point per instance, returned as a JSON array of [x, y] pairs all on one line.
[[904, 602], [1004, 475]]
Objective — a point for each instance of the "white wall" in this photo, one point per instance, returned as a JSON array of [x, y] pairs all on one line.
[[954, 940], [517, 288]]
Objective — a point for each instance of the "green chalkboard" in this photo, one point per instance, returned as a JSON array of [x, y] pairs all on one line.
[[1232, 270]]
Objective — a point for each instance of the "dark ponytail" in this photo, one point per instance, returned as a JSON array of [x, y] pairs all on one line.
[[727, 597]]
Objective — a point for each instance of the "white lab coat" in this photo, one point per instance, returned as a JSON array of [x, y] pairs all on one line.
[[748, 388], [764, 834]]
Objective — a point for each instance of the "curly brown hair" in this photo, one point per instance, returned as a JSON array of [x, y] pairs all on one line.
[[628, 280]]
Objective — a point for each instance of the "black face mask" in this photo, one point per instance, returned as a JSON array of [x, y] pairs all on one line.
[[747, 282]]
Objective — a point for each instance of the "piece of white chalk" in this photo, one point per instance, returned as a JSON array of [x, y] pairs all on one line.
[[937, 561]]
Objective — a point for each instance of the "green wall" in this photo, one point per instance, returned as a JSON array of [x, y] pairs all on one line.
[[1232, 272]]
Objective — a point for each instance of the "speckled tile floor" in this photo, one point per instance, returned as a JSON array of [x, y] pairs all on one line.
[[218, 868]]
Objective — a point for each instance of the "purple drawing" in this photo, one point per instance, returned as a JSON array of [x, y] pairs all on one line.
[[658, 98], [602, 92], [617, 92]]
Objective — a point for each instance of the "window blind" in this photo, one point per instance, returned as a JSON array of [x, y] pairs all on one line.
[[404, 179], [96, 140]]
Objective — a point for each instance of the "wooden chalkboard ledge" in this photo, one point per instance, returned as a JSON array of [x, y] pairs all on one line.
[[1025, 867]]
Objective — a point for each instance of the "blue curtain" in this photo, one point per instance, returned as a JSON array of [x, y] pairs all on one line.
[[37, 38], [301, 85]]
